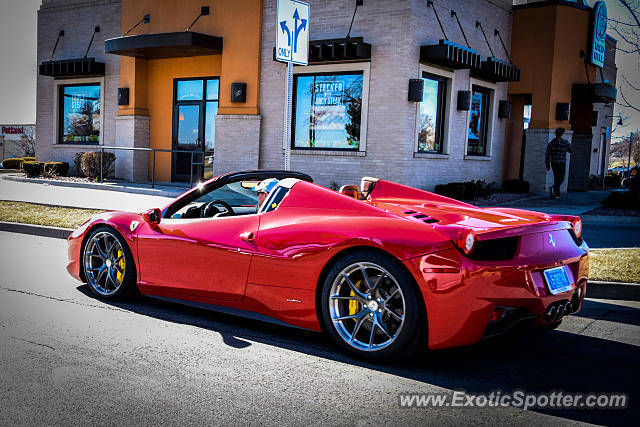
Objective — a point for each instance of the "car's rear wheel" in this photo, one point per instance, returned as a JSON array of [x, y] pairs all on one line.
[[370, 307], [108, 265]]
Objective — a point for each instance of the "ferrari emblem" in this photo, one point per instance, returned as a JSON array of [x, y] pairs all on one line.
[[553, 242], [133, 226]]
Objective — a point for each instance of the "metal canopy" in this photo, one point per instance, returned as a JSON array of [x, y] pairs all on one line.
[[450, 55], [72, 68], [497, 70], [165, 45], [337, 50], [593, 92]]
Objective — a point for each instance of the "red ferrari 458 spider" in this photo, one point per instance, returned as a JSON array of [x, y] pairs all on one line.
[[384, 269]]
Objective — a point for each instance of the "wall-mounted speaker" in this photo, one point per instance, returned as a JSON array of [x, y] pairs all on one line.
[[562, 110], [123, 96], [238, 92], [504, 109], [464, 100], [415, 90]]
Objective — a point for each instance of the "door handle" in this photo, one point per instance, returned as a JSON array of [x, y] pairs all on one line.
[[247, 236]]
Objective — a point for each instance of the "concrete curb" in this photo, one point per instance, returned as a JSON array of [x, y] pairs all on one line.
[[36, 230], [613, 290], [600, 219], [98, 186]]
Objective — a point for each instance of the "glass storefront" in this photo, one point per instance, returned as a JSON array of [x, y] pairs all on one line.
[[79, 107], [327, 111], [478, 121], [431, 114]]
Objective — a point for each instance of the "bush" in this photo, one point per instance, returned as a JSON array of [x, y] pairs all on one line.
[[90, 164], [13, 163], [77, 164], [595, 181], [624, 199], [516, 185], [32, 169], [56, 168], [612, 181], [465, 190]]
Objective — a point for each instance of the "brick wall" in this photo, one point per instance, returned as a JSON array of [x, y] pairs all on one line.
[[237, 138], [77, 18], [395, 30]]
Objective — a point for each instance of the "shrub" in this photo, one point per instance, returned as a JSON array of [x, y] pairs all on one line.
[[13, 163], [595, 181], [465, 190], [612, 181], [32, 169], [516, 185], [623, 199], [56, 168], [77, 164], [90, 165], [334, 186]]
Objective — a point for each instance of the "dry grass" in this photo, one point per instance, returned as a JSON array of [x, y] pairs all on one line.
[[615, 265], [31, 213]]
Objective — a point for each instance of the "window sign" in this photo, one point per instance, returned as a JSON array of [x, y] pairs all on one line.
[[431, 118], [328, 110], [189, 90], [478, 115], [80, 114]]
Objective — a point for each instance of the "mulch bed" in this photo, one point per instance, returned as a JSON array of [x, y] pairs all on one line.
[[498, 198], [612, 212]]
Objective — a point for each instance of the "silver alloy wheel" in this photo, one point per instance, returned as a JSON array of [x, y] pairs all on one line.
[[366, 306], [104, 263]]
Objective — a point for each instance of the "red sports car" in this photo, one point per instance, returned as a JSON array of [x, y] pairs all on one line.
[[384, 269]]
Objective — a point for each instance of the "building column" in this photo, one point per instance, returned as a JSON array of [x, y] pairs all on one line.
[[513, 139], [132, 131], [534, 166], [237, 143]]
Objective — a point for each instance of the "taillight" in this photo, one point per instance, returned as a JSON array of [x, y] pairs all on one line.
[[576, 223], [466, 241]]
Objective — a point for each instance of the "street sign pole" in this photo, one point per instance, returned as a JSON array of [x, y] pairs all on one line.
[[292, 46], [287, 120]]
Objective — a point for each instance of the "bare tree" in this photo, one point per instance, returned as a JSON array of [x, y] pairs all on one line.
[[27, 141], [627, 31]]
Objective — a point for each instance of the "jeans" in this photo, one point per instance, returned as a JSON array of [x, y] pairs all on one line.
[[558, 176]]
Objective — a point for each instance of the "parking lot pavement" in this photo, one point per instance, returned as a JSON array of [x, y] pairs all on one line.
[[69, 358]]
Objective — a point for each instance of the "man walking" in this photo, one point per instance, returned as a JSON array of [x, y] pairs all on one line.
[[556, 159]]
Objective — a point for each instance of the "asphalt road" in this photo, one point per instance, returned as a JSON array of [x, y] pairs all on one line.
[[67, 358], [611, 235]]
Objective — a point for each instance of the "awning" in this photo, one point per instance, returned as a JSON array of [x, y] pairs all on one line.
[[594, 92], [497, 70], [450, 55], [164, 45], [72, 68], [337, 50]]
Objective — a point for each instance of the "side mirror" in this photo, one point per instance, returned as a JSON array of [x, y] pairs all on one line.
[[152, 216]]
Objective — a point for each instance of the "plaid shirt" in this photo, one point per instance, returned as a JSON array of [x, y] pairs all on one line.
[[557, 150]]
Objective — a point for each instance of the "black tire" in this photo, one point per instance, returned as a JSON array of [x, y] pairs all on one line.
[[128, 287], [409, 338]]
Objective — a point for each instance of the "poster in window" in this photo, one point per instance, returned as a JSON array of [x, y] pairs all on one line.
[[81, 114], [475, 119], [328, 111]]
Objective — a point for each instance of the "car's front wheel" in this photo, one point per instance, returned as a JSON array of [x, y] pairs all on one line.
[[108, 265], [370, 307]]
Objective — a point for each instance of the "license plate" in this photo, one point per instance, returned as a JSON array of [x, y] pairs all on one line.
[[557, 280]]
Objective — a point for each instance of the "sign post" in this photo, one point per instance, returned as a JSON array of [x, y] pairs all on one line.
[[292, 47]]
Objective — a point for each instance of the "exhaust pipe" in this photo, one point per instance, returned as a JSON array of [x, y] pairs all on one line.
[[551, 313], [568, 308]]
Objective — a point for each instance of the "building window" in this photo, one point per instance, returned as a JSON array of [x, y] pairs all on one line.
[[79, 121], [431, 114], [327, 111], [478, 122]]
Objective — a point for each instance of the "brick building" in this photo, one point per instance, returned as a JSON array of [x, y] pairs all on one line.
[[417, 93]]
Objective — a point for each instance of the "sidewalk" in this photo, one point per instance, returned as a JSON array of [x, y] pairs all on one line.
[[574, 203], [108, 196]]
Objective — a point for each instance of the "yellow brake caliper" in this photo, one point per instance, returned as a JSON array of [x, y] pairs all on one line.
[[121, 265], [354, 305]]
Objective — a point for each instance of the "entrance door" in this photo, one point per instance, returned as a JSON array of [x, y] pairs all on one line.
[[194, 111]]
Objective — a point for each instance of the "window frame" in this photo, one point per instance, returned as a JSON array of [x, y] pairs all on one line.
[[486, 130], [363, 68], [440, 113], [447, 113], [58, 118]]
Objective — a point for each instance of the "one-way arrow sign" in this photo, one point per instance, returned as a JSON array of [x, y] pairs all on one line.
[[292, 32]]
